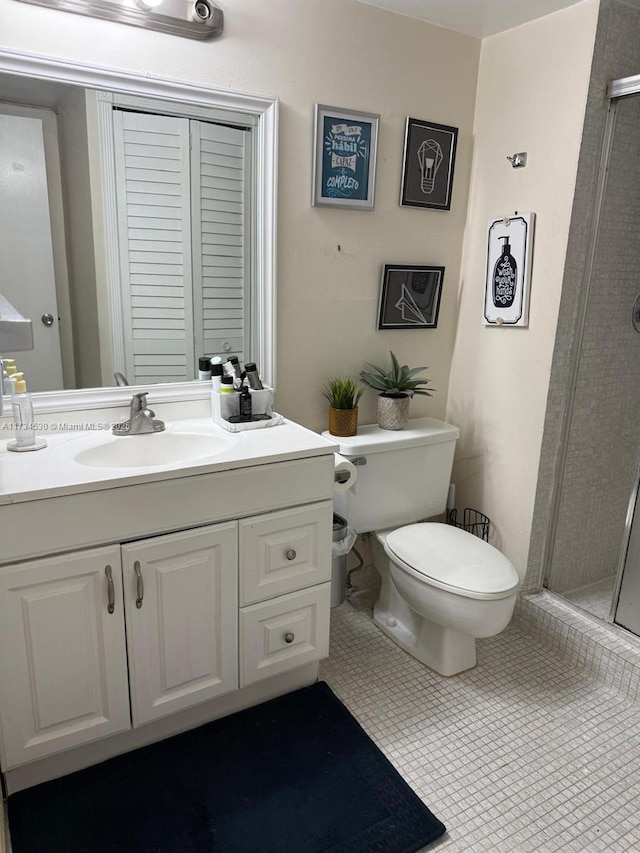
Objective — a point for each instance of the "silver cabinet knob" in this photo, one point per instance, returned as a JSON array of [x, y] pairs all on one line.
[[289, 637], [290, 554], [47, 319]]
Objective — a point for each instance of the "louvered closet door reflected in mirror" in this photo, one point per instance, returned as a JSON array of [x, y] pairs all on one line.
[[182, 198]]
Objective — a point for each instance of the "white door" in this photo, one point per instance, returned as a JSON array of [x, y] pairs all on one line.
[[63, 664], [183, 199], [27, 277], [181, 599], [154, 244], [221, 237]]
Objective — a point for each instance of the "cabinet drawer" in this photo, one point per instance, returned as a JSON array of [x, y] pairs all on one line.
[[284, 551], [284, 633]]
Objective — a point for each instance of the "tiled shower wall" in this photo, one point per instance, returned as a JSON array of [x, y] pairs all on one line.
[[604, 436], [603, 443], [603, 439]]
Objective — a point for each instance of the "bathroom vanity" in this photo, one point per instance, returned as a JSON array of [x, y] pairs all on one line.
[[137, 602]]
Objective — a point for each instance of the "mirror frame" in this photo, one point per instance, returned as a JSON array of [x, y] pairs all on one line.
[[265, 109]]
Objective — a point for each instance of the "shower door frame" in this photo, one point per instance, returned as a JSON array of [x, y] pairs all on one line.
[[617, 89]]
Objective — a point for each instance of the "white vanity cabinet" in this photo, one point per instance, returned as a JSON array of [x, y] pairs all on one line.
[[181, 605], [166, 606], [132, 613], [63, 659], [284, 552]]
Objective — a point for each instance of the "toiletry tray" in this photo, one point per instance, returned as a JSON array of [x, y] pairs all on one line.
[[226, 406]]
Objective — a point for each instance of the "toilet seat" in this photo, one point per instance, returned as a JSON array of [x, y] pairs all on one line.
[[451, 559]]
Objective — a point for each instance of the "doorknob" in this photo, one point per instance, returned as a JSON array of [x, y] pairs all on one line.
[[47, 319]]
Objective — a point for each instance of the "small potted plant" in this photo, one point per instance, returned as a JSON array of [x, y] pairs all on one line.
[[343, 395], [396, 387]]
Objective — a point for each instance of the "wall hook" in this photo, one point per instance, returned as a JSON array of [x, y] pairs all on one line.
[[518, 161]]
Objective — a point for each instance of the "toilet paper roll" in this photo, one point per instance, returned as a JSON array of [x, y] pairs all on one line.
[[344, 473]]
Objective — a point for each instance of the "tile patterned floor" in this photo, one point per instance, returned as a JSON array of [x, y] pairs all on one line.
[[520, 754]]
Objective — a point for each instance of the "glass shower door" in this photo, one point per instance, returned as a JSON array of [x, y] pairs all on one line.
[[628, 609]]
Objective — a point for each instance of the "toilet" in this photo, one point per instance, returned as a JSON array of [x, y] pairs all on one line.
[[441, 587]]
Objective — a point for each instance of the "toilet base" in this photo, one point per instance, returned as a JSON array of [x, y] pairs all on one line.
[[444, 650]]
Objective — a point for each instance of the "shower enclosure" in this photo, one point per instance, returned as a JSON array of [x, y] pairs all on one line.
[[593, 547]]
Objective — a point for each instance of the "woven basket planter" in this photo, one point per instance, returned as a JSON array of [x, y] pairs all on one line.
[[343, 422]]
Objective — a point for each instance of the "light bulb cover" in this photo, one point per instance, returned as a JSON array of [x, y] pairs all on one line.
[[196, 19]]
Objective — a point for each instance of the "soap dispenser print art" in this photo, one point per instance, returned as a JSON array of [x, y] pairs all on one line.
[[505, 277], [508, 270]]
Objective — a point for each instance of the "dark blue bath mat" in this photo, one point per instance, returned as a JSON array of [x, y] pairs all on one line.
[[294, 775]]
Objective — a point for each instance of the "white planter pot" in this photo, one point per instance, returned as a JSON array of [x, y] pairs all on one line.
[[393, 412]]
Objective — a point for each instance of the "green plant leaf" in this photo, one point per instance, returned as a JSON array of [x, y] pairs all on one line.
[[397, 380], [341, 392]]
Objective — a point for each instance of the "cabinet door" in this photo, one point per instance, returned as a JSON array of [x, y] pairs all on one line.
[[181, 599], [63, 666]]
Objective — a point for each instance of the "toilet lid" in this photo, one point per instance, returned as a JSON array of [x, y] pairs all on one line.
[[453, 557]]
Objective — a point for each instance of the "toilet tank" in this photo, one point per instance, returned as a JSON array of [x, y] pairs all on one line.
[[403, 475]]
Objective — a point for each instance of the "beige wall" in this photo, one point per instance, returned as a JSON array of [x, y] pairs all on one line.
[[337, 52], [532, 90]]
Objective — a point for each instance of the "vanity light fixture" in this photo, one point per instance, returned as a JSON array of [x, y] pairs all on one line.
[[196, 19]]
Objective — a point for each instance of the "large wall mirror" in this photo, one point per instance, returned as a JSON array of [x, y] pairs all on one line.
[[138, 223]]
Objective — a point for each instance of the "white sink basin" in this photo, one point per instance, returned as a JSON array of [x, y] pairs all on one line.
[[153, 450]]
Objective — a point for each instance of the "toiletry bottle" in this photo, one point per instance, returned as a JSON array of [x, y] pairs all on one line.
[[505, 276], [204, 367], [252, 376], [216, 376], [235, 362], [226, 385], [22, 407], [245, 403], [7, 369]]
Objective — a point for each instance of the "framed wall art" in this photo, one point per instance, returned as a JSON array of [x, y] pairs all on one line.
[[410, 296], [344, 158], [427, 169], [508, 274]]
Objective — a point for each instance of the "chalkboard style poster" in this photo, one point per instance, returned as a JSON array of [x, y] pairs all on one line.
[[410, 297], [344, 159], [427, 170], [508, 276]]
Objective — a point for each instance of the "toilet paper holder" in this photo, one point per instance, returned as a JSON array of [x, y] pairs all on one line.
[[344, 476]]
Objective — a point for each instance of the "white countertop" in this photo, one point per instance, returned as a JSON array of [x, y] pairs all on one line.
[[54, 470]]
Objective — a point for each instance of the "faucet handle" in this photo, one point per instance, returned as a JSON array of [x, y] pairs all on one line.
[[139, 401]]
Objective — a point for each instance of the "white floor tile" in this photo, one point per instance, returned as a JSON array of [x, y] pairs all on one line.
[[522, 753]]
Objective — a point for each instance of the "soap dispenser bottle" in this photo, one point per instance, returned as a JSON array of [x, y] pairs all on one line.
[[22, 407], [505, 276]]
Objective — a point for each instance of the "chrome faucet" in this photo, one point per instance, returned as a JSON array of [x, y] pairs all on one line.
[[120, 378], [142, 420]]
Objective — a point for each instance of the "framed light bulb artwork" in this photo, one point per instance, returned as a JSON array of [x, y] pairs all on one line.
[[427, 169], [508, 273]]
